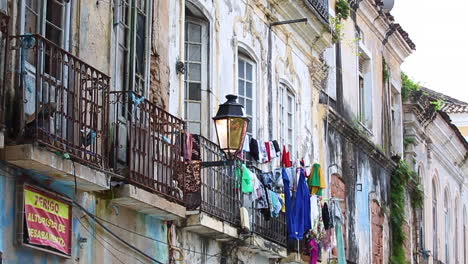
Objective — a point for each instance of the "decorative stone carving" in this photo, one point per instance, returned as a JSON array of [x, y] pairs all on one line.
[[318, 72]]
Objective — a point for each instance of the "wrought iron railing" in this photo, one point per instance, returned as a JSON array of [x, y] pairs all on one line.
[[4, 56], [220, 188], [273, 229], [321, 6], [146, 144], [64, 100]]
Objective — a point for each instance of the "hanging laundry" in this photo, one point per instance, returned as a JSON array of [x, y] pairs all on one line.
[[277, 148], [246, 146], [314, 211], [196, 148], [278, 178], [254, 149], [338, 218], [188, 145], [263, 155], [298, 209], [286, 159], [326, 216], [314, 251], [275, 203], [267, 180], [316, 181], [261, 201], [328, 241], [267, 148], [266, 212], [283, 205], [272, 150], [245, 175]]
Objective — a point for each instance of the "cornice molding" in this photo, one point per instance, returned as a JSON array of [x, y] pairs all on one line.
[[344, 128]]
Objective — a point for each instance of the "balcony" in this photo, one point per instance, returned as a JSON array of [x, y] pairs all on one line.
[[60, 119], [145, 148], [321, 6], [218, 199], [217, 207]]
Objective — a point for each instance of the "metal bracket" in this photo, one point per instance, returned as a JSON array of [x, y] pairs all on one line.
[[221, 163]]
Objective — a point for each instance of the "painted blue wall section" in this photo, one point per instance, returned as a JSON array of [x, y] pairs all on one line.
[[156, 229]]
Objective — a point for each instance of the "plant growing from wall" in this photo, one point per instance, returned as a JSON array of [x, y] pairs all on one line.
[[342, 13], [408, 86], [438, 104], [402, 176], [408, 141]]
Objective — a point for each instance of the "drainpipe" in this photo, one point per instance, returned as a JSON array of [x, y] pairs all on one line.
[[339, 79], [269, 73]]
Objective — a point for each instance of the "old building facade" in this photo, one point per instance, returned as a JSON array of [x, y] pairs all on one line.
[[99, 93], [437, 150]]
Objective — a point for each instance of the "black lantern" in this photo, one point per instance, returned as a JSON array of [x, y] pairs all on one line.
[[231, 126]]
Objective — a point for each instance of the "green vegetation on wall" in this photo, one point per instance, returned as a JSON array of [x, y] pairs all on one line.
[[408, 86], [342, 13], [402, 177]]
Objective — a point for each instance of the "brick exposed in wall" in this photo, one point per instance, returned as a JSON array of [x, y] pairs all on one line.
[[377, 233], [159, 91]]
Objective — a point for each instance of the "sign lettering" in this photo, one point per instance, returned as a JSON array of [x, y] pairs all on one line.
[[48, 220]]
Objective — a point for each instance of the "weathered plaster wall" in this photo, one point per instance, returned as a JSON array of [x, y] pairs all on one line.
[[92, 29], [239, 25], [100, 247], [358, 167]]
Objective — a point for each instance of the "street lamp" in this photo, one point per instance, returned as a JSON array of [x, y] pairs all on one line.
[[231, 126]]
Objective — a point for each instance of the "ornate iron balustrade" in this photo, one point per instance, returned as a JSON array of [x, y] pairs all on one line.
[[219, 194], [64, 100], [146, 144], [321, 6]]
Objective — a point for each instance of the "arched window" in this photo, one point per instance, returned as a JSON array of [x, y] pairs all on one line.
[[447, 225], [196, 100], [434, 221]]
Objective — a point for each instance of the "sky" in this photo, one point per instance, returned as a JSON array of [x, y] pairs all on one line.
[[440, 31]]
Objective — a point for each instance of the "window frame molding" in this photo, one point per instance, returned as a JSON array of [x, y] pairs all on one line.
[[205, 80], [286, 88], [245, 55], [368, 78], [66, 20], [131, 38]]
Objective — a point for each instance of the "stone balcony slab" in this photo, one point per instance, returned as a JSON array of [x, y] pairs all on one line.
[[43, 161], [149, 203], [206, 225]]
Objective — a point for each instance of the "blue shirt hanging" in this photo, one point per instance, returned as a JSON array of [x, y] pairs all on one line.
[[298, 209]]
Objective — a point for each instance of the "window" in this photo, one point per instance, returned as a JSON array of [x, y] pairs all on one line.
[[196, 71], [287, 108], [47, 18], [365, 91], [246, 88], [132, 45], [434, 221]]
